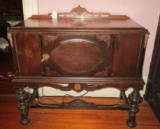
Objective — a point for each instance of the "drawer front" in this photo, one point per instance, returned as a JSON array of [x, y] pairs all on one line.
[[77, 55]]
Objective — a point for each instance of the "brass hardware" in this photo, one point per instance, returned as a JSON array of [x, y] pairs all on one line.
[[45, 57]]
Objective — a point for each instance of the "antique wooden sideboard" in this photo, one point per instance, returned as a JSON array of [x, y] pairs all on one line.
[[84, 50]]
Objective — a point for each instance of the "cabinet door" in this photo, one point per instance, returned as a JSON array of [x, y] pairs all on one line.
[[27, 54], [77, 54], [128, 55], [153, 86]]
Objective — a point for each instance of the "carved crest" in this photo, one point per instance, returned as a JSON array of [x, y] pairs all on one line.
[[80, 12]]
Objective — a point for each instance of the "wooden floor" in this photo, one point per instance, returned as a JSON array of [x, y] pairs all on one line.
[[69, 119], [72, 119]]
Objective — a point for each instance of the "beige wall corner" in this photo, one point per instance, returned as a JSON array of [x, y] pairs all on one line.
[[30, 7]]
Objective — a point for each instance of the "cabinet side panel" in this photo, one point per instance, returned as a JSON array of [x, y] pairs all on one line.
[[28, 54], [126, 55]]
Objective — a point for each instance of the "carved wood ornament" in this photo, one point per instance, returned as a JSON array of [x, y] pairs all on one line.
[[80, 12], [77, 55]]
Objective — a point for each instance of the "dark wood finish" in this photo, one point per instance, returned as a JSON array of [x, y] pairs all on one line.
[[13, 8], [153, 85], [86, 54], [89, 52], [6, 74], [9, 11]]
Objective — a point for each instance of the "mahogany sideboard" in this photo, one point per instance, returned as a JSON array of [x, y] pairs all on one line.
[[84, 50]]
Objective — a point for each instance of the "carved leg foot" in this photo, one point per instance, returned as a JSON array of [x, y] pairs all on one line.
[[134, 98], [21, 97]]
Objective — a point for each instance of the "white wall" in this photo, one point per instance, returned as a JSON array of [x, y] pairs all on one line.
[[30, 7]]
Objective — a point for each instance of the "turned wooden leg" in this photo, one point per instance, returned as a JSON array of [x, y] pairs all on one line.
[[21, 97], [134, 98]]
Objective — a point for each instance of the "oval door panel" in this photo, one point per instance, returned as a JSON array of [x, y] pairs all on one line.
[[77, 56]]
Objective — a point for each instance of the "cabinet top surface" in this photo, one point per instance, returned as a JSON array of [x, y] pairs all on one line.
[[79, 23], [79, 19]]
